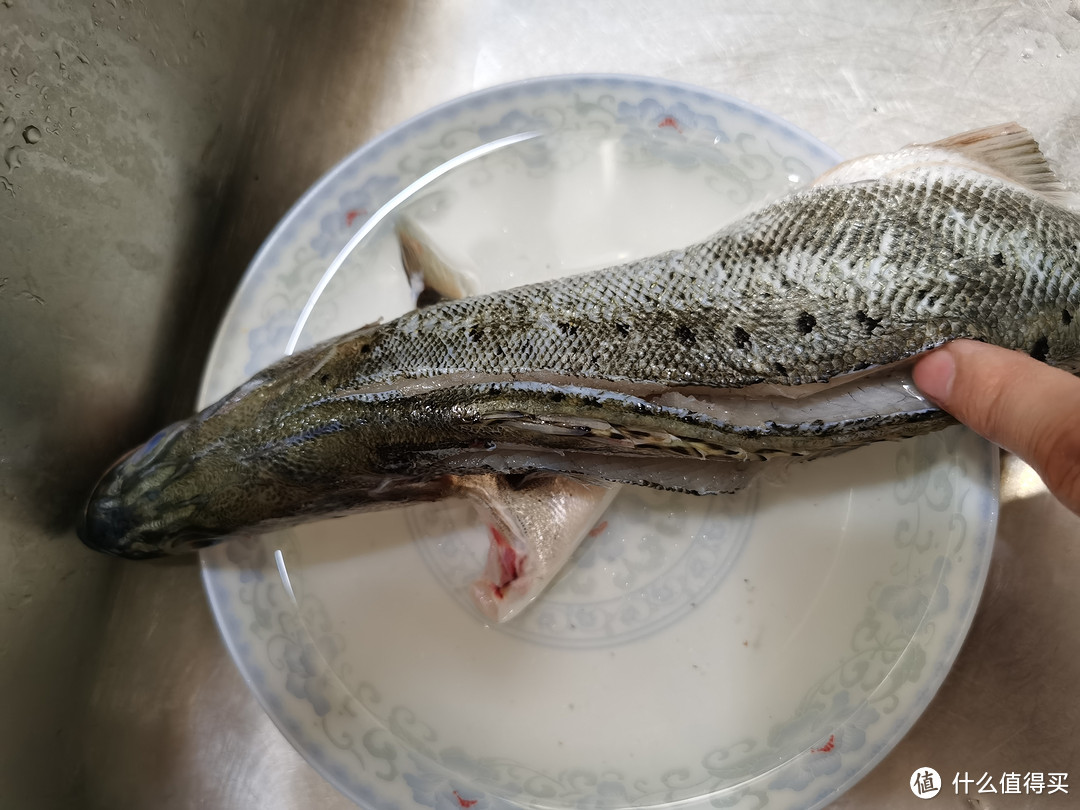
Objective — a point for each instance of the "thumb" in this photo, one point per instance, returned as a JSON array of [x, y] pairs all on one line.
[[1015, 401]]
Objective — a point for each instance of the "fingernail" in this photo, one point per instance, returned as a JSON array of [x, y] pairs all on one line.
[[934, 375]]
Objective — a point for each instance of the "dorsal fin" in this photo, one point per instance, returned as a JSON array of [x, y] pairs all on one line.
[[1009, 151], [1006, 151], [431, 277]]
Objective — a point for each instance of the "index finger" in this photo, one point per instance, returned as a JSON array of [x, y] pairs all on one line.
[[1015, 401]]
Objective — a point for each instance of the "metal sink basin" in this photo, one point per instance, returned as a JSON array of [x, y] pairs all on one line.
[[150, 146]]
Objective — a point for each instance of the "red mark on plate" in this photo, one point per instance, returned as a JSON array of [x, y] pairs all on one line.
[[351, 215], [464, 802], [827, 747], [598, 528], [670, 122]]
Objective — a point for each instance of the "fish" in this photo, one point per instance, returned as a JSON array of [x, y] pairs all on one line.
[[786, 336]]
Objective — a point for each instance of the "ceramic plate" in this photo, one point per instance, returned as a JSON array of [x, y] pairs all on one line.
[[767, 647]]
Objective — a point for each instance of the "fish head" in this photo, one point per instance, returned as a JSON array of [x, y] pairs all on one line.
[[141, 506], [278, 450]]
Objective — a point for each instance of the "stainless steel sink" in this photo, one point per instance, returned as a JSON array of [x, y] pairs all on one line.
[[168, 139]]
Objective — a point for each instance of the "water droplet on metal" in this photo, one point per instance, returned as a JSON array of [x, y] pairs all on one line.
[[31, 134], [13, 157], [9, 3], [14, 72], [7, 127]]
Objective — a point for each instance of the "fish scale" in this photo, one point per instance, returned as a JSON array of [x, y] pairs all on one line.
[[785, 335], [658, 296]]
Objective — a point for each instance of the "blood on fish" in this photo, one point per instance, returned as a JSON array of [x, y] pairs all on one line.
[[829, 745], [670, 122], [351, 215], [598, 528], [508, 562], [464, 802]]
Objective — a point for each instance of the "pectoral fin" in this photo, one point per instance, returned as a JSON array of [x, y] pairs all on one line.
[[431, 277], [536, 524]]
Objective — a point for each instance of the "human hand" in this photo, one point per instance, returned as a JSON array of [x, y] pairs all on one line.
[[1014, 401]]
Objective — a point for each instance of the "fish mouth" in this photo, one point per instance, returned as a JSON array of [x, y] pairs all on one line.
[[111, 525], [107, 527], [101, 522], [127, 514]]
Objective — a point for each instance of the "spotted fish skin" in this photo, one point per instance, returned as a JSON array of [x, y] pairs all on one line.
[[690, 370], [820, 284]]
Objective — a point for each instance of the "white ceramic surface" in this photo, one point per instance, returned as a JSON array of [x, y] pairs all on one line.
[[767, 647]]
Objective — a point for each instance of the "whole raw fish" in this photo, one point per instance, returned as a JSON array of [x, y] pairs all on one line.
[[787, 335]]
